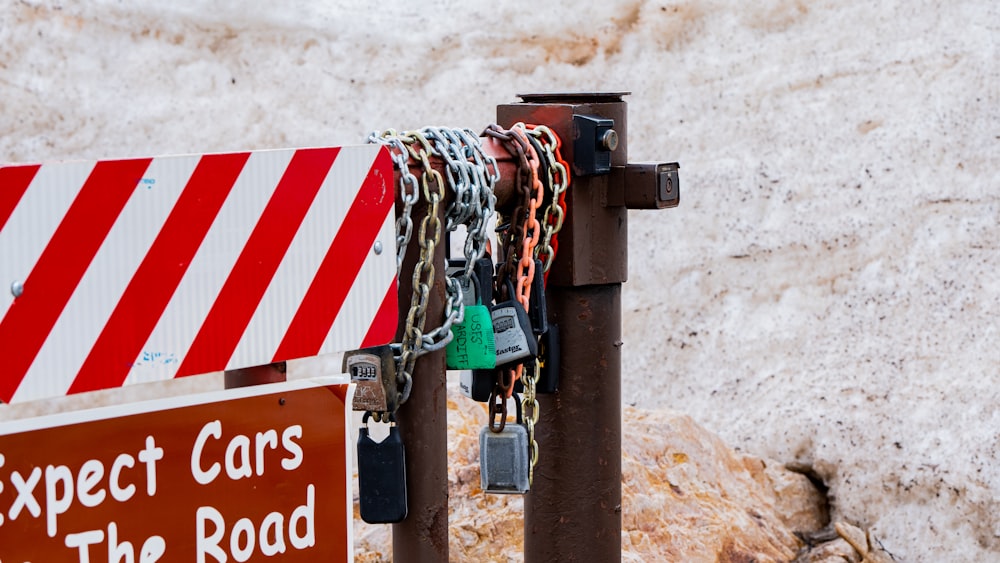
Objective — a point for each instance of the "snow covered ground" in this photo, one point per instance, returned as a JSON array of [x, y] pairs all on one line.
[[827, 293]]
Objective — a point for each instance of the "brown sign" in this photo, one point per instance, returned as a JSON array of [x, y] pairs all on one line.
[[248, 474]]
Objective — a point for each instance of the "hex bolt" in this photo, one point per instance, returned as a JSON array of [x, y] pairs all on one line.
[[378, 247], [17, 288], [609, 140]]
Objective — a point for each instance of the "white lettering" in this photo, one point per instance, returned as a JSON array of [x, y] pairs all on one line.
[[119, 493], [209, 545], [83, 541], [242, 550], [273, 521], [306, 512], [239, 446], [152, 549], [90, 475], [56, 505], [268, 439], [118, 551], [25, 494], [212, 429], [291, 447], [150, 456]]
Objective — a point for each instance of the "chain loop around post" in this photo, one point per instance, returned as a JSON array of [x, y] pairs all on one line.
[[471, 175]]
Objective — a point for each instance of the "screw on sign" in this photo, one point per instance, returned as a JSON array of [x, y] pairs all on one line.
[[245, 475]]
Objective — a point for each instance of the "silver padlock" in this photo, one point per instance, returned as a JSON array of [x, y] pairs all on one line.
[[503, 460]]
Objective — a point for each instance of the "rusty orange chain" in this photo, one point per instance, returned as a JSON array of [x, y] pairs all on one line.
[[521, 241], [558, 181]]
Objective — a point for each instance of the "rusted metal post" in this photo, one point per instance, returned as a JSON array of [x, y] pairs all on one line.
[[573, 511], [423, 425]]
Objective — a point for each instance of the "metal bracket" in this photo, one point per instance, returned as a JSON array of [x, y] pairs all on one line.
[[645, 185], [593, 144]]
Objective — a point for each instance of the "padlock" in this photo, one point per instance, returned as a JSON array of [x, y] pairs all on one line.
[[548, 351], [454, 269], [483, 272], [503, 460], [478, 288], [548, 362], [538, 314], [472, 345], [515, 342], [374, 371], [477, 384], [381, 476]]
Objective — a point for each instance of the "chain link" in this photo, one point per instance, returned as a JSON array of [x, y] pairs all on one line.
[[471, 175], [520, 238], [409, 190], [558, 182]]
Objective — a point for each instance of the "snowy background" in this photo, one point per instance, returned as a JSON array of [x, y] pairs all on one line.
[[827, 293]]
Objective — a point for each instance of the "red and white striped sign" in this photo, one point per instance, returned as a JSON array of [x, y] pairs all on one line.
[[128, 271]]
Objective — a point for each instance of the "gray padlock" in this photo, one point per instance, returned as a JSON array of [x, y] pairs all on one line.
[[515, 341], [503, 460]]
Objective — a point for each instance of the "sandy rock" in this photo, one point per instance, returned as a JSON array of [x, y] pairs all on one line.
[[798, 503], [686, 497], [843, 542], [836, 551], [854, 536]]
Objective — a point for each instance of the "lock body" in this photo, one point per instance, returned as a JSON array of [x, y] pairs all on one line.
[[373, 370], [515, 341], [503, 460], [381, 477]]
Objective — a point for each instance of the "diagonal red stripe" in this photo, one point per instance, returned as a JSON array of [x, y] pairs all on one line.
[[383, 327], [155, 281], [234, 307], [62, 264], [14, 181], [340, 266]]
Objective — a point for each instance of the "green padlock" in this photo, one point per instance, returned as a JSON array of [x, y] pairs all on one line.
[[472, 345]]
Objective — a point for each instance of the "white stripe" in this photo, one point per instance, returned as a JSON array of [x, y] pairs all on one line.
[[365, 297], [127, 243], [171, 339], [298, 267], [34, 221]]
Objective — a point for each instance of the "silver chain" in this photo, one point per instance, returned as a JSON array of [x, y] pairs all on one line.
[[471, 175]]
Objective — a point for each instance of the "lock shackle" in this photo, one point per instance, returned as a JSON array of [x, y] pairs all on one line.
[[389, 417]]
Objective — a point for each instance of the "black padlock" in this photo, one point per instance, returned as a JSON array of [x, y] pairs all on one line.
[[477, 384], [483, 272], [537, 312], [381, 476], [548, 353], [548, 362]]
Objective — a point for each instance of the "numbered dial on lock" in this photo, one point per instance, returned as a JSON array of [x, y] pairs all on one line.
[[374, 371]]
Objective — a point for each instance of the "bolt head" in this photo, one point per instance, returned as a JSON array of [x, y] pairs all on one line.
[[378, 247], [16, 288], [609, 140]]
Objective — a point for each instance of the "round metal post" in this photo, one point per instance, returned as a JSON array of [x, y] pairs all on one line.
[[573, 511], [423, 426]]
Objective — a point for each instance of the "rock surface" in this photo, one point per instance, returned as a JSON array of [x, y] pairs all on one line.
[[686, 496]]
